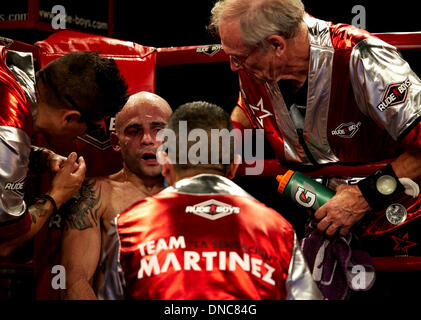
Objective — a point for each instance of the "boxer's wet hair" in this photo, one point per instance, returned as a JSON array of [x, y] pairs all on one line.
[[206, 116], [86, 82]]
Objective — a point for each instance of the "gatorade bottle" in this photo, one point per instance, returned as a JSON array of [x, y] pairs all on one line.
[[303, 190]]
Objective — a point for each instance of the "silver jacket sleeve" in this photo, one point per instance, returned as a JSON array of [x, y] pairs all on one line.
[[15, 148], [385, 87], [300, 284]]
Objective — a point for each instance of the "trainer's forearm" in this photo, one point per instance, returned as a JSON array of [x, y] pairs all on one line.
[[81, 289], [40, 212], [408, 165]]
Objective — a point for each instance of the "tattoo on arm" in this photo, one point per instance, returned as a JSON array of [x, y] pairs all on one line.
[[81, 211], [37, 210]]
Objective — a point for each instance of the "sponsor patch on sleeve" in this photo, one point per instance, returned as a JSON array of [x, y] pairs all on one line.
[[395, 94]]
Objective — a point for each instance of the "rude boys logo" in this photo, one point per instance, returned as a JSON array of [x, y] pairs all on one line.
[[16, 187], [395, 93], [212, 209], [347, 130]]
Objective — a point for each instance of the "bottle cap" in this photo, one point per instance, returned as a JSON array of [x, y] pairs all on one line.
[[283, 180]]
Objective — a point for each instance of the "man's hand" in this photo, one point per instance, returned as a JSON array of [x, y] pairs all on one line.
[[65, 184], [55, 162], [68, 179], [346, 208]]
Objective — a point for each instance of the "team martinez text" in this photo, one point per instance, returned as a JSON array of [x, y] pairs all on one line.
[[217, 147]]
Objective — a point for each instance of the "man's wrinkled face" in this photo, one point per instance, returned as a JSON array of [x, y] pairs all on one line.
[[258, 63], [137, 131]]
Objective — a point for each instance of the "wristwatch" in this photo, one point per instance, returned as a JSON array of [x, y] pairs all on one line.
[[380, 188], [386, 184]]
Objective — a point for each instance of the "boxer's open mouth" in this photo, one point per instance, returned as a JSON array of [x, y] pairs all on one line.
[[149, 158]]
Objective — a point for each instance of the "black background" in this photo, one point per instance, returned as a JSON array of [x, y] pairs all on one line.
[[179, 23]]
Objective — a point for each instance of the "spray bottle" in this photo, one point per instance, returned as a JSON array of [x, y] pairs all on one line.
[[303, 190]]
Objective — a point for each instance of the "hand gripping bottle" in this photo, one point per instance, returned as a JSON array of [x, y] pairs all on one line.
[[303, 190]]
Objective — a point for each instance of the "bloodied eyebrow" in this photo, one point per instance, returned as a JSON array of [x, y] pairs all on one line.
[[152, 125]]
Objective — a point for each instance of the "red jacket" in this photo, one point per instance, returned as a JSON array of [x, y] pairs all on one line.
[[206, 239]]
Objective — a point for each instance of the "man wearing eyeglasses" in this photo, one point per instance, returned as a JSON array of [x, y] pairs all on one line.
[[61, 101], [328, 94]]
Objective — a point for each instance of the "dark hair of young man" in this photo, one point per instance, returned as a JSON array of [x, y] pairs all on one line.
[[206, 116], [86, 82]]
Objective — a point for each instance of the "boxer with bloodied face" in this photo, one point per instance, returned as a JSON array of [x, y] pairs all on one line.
[[89, 213]]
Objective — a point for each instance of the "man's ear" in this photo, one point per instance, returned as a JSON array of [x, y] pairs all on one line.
[[69, 116], [232, 169], [70, 122], [114, 140], [167, 169], [278, 43]]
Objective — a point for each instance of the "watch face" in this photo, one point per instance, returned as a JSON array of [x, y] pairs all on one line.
[[396, 214], [386, 185]]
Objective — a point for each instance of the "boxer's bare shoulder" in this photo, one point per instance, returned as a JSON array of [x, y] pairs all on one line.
[[85, 209], [100, 200], [121, 193]]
